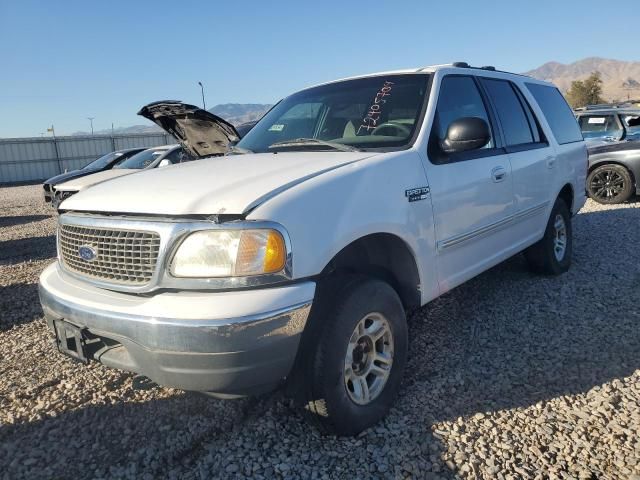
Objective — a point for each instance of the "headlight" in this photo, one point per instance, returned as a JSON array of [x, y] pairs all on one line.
[[229, 253]]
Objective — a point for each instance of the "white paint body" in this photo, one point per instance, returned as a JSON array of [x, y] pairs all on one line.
[[327, 200], [81, 183]]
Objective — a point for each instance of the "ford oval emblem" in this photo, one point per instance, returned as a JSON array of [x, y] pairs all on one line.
[[87, 253]]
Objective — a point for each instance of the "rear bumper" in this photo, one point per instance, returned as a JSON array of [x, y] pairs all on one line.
[[232, 343]]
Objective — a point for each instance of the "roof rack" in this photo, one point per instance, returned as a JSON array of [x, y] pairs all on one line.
[[490, 68], [602, 106]]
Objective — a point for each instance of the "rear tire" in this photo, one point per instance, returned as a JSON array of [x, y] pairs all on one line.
[[552, 254], [352, 370], [610, 184]]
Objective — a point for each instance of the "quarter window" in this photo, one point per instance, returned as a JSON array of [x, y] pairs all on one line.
[[459, 98], [632, 122], [557, 112], [513, 119]]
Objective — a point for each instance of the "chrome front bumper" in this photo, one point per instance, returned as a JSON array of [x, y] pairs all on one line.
[[187, 340]]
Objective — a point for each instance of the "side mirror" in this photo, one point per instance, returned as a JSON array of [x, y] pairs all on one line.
[[467, 133], [164, 163]]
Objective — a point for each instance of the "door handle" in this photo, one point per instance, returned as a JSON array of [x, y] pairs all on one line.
[[550, 161], [498, 174]]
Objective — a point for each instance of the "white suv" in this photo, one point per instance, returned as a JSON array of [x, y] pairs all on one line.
[[297, 255]]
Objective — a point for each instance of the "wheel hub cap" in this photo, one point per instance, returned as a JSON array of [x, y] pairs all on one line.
[[607, 184], [560, 237], [369, 358]]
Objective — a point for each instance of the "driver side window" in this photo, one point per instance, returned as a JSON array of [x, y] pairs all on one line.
[[459, 98]]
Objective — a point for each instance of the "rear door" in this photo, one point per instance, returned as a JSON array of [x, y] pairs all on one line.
[[533, 159], [471, 192]]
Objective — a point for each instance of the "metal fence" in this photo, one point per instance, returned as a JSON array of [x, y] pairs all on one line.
[[31, 159]]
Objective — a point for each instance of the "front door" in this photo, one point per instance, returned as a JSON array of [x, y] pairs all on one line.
[[471, 192]]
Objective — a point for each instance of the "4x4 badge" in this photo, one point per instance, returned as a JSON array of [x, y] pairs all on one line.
[[415, 194]]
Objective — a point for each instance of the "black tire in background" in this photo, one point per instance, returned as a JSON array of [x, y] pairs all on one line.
[[327, 396], [546, 257], [609, 184]]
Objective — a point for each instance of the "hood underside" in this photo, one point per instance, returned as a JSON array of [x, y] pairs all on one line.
[[201, 133], [214, 186]]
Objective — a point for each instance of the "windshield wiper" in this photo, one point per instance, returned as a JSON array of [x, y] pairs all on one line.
[[234, 149], [301, 142]]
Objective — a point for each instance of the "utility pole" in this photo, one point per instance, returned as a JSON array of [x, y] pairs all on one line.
[[91, 120], [204, 105], [55, 147]]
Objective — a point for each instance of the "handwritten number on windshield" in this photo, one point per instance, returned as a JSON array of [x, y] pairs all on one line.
[[370, 121]]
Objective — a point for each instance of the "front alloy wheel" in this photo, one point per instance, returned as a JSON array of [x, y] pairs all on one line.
[[369, 358], [354, 354]]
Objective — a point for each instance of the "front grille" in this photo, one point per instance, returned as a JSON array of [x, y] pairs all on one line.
[[121, 256]]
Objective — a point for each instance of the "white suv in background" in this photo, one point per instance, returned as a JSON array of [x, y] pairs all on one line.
[[296, 256]]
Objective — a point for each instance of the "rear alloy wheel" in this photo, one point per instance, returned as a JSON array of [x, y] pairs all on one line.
[[552, 254], [352, 370], [609, 184]]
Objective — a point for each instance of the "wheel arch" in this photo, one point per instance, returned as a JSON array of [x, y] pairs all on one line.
[[385, 256], [566, 193]]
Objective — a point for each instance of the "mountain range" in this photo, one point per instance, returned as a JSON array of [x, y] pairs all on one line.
[[620, 79]]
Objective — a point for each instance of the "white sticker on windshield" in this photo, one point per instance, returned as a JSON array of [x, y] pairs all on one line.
[[278, 127], [597, 120]]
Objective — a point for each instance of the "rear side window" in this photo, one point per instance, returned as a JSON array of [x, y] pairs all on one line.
[[555, 108], [513, 119], [598, 123]]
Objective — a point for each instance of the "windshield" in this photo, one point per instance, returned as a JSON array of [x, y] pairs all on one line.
[[102, 162], [141, 160], [373, 112]]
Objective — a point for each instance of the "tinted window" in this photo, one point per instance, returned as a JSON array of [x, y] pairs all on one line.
[[141, 160], [632, 121], [555, 108], [103, 161], [459, 98], [512, 116], [178, 156], [598, 123]]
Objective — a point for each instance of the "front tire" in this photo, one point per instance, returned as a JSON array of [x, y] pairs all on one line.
[[353, 371], [610, 184], [552, 254]]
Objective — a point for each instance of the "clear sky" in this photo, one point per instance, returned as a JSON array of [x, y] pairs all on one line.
[[63, 61]]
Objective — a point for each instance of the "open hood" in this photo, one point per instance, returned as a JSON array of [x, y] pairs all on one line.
[[201, 133]]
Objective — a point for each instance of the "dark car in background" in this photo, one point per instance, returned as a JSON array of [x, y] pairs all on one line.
[[609, 124], [106, 162], [244, 128], [614, 170]]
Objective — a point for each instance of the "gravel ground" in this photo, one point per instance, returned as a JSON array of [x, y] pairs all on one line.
[[510, 376]]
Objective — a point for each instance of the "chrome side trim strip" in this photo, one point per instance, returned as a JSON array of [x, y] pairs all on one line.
[[492, 227]]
